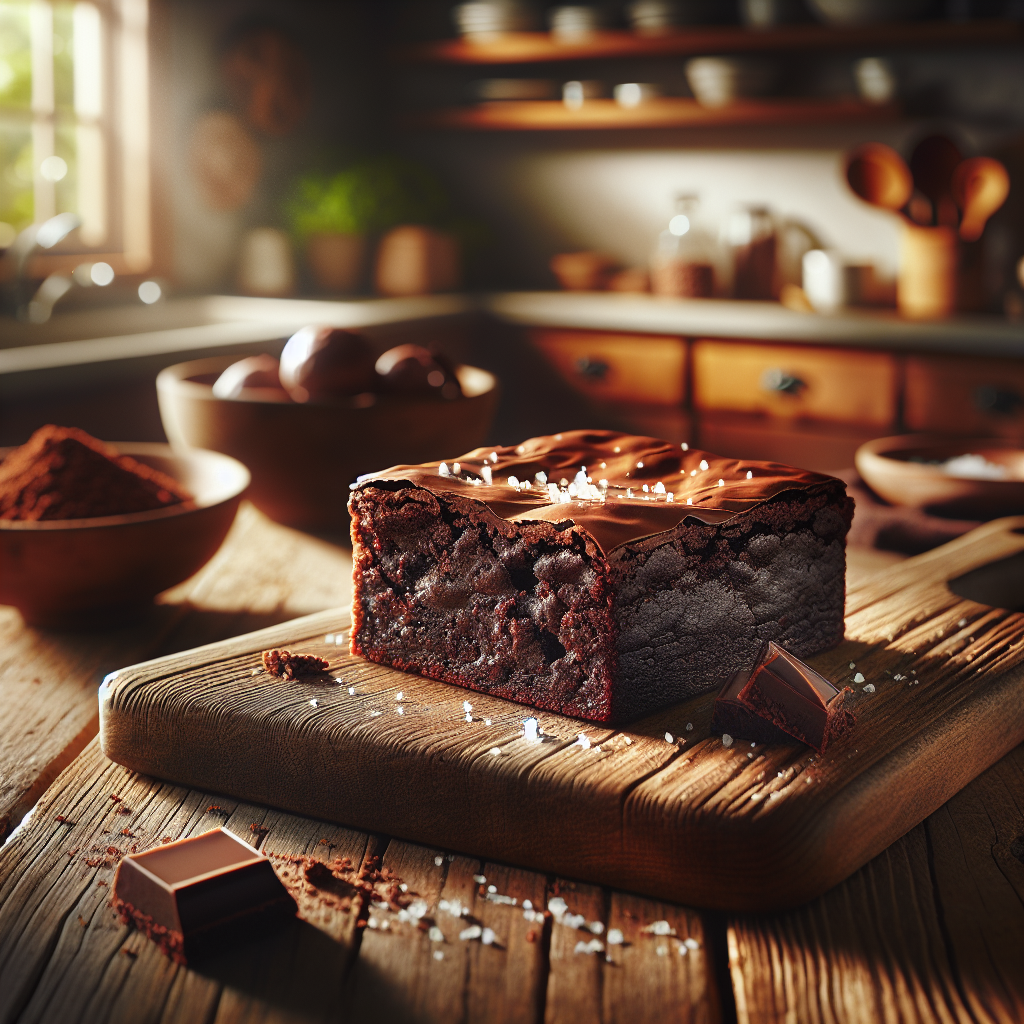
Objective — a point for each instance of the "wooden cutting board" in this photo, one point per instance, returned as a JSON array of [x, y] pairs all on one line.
[[660, 807]]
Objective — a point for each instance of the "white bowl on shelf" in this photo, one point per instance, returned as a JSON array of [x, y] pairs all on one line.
[[485, 20], [866, 12], [719, 81]]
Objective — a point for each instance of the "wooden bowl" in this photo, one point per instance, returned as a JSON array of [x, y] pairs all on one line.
[[303, 457], [97, 572], [905, 471]]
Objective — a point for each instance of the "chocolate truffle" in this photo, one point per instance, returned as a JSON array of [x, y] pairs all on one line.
[[412, 370], [258, 375], [321, 363], [593, 573], [781, 699]]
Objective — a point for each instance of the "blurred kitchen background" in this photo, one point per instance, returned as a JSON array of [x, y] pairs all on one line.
[[757, 226]]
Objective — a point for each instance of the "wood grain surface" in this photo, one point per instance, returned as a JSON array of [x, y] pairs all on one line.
[[263, 574], [931, 930], [656, 808], [65, 955]]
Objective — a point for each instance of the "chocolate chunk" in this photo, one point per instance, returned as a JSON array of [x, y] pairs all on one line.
[[189, 895], [780, 699]]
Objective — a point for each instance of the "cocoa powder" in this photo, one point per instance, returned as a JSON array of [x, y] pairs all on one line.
[[64, 473]]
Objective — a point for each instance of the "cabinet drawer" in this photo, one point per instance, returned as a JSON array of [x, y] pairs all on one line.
[[791, 381], [957, 395], [618, 367]]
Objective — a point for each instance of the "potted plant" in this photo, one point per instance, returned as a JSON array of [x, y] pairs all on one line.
[[332, 214]]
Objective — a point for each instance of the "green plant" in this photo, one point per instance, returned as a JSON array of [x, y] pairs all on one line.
[[372, 194]]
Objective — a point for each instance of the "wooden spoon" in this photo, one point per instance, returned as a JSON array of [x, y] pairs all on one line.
[[980, 187], [879, 175], [932, 164]]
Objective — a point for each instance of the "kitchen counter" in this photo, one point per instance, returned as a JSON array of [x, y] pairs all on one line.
[[760, 321]]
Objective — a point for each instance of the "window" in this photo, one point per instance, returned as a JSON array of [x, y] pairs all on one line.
[[74, 126]]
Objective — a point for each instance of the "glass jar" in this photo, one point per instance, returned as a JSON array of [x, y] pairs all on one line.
[[750, 233], [683, 262]]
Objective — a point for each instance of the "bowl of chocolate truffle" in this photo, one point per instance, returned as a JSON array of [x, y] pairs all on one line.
[[330, 410], [91, 532]]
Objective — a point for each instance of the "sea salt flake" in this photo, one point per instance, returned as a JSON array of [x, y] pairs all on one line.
[[530, 730], [438, 861], [351, 691], [527, 904], [721, 482], [662, 950], [853, 664], [703, 463], [689, 726], [443, 470], [557, 906], [682, 949], [615, 937], [513, 481], [870, 688], [859, 677], [726, 740], [750, 475], [399, 696], [474, 931], [438, 955], [314, 703], [400, 710], [488, 476], [596, 927], [691, 944], [962, 623], [492, 888], [329, 639], [487, 938], [669, 738], [660, 928], [685, 447], [435, 934], [583, 742], [629, 741], [494, 751], [487, 721]]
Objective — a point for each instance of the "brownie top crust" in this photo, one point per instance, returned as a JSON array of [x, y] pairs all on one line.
[[618, 487]]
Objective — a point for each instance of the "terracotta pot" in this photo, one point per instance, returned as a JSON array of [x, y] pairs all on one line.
[[336, 261], [926, 287], [415, 260]]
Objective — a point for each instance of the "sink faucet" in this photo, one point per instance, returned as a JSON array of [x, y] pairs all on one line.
[[37, 236]]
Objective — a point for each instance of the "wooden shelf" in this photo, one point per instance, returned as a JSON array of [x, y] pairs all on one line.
[[667, 112], [540, 47]]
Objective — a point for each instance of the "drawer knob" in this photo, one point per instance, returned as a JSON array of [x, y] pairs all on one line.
[[781, 382], [1000, 401], [592, 369]]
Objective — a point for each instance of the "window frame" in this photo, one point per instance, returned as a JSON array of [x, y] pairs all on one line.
[[126, 128]]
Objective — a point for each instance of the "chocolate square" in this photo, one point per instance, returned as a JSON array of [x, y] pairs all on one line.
[[780, 699], [183, 893]]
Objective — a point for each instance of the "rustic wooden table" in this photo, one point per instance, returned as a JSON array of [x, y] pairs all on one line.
[[931, 930]]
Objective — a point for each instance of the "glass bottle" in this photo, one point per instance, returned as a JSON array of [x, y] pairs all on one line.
[[750, 232], [683, 263]]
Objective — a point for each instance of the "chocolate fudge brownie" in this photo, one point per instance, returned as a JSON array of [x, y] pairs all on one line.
[[592, 573]]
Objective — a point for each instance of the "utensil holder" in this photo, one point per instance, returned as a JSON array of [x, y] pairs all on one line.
[[926, 287]]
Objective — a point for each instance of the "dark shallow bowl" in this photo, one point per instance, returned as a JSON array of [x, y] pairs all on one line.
[[304, 456], [95, 572], [906, 470]]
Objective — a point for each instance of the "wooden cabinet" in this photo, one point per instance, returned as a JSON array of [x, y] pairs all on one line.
[[963, 395], [796, 382], [638, 368], [803, 404]]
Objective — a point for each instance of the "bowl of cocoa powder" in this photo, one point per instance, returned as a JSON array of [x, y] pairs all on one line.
[[91, 532]]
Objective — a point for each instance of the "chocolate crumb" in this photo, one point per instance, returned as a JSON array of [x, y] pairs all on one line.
[[101, 883], [166, 839], [286, 665], [115, 798], [82, 921]]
